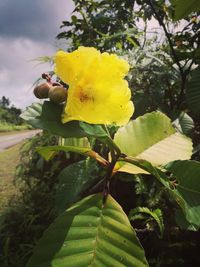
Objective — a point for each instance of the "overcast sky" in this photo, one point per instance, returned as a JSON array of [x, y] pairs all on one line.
[[27, 31]]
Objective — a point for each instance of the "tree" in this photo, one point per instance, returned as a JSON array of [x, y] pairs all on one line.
[[107, 25], [4, 102], [9, 114]]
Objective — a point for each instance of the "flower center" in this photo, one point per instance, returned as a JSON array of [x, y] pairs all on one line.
[[85, 95], [85, 98]]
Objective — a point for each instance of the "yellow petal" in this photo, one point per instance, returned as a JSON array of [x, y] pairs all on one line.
[[71, 66], [97, 93]]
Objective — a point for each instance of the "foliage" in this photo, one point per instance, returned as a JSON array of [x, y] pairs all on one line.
[[40, 200], [39, 117], [187, 176], [92, 234], [192, 93], [29, 212], [142, 212], [140, 140], [68, 184], [10, 115], [101, 24], [6, 174], [73, 180], [184, 8], [9, 127]]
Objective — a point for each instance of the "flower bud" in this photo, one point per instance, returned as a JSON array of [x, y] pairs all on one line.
[[45, 76], [42, 91], [57, 94]]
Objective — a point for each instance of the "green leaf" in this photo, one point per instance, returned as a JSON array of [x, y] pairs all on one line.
[[152, 138], [183, 223], [49, 152], [184, 7], [187, 175], [90, 234], [78, 142], [72, 181], [155, 214], [141, 102], [93, 129], [183, 55], [193, 91], [48, 117], [100, 133], [149, 168], [187, 192], [32, 113], [184, 123]]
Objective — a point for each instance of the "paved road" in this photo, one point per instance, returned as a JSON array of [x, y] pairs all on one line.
[[7, 141]]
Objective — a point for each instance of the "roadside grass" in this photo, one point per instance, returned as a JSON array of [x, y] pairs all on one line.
[[9, 159], [7, 127]]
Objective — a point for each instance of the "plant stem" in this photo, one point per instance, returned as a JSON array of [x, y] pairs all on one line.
[[108, 178], [116, 153], [111, 144]]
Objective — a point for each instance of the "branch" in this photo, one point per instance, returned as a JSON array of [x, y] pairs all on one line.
[[145, 35], [168, 38], [185, 76], [182, 72], [107, 179]]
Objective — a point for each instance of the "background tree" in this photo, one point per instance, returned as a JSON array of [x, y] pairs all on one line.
[[9, 114], [4, 102], [107, 25]]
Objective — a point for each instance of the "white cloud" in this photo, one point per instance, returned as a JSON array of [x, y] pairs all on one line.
[[17, 71], [19, 46]]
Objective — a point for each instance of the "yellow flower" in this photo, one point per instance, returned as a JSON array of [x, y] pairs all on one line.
[[97, 93]]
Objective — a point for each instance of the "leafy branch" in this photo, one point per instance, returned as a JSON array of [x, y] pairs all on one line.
[[175, 57]]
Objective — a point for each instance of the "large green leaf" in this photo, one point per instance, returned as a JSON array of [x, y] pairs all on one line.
[[48, 152], [90, 234], [48, 117], [72, 181], [187, 174], [183, 223], [185, 191], [93, 129], [32, 113], [184, 7], [152, 138], [193, 91], [184, 123]]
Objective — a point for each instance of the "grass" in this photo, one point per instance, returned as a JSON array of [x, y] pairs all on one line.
[[6, 127], [8, 161]]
